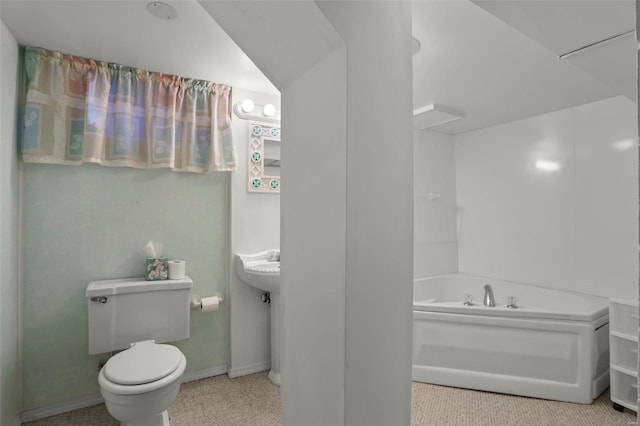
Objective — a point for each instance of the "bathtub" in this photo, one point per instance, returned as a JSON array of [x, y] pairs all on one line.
[[555, 345]]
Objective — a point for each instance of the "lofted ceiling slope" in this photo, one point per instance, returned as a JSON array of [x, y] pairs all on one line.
[[124, 32], [490, 61]]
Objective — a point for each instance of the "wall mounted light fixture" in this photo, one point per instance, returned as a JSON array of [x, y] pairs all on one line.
[[248, 110]]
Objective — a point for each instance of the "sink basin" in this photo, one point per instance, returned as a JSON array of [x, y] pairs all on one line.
[[260, 270]]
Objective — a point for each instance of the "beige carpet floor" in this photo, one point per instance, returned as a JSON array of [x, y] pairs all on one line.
[[254, 400]]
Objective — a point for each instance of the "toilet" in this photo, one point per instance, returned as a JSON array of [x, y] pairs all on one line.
[[137, 317]]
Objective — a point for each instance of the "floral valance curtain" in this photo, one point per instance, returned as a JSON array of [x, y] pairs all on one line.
[[81, 110]]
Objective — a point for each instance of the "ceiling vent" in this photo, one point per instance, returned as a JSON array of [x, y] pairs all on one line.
[[433, 115]]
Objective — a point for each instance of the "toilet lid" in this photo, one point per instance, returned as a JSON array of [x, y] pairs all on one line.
[[144, 362]]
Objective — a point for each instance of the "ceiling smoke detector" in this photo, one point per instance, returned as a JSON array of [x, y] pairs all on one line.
[[162, 11]]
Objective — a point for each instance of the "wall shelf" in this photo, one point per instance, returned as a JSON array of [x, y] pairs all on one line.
[[623, 345]]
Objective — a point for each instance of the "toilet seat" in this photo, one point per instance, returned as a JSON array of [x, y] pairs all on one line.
[[145, 362]]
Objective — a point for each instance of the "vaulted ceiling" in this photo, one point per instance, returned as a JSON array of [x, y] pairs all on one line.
[[491, 61]]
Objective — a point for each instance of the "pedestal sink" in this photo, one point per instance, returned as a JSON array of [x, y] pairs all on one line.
[[262, 271]]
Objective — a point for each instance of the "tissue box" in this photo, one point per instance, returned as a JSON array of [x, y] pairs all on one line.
[[157, 268]]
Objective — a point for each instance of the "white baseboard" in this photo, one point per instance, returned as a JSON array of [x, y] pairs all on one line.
[[89, 400], [17, 421], [61, 407], [249, 369], [203, 374]]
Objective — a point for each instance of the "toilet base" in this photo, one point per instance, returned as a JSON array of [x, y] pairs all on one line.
[[161, 419]]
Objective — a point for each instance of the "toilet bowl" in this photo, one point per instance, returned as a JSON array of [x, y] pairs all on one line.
[[140, 384]]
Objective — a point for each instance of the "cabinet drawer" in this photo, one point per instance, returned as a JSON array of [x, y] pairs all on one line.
[[623, 317], [624, 389], [624, 352]]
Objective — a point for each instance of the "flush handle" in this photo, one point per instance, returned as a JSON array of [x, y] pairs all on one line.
[[99, 299]]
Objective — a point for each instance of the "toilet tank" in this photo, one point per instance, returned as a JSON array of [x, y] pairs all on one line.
[[130, 310]]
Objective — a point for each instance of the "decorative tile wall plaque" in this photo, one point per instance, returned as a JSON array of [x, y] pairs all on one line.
[[263, 167]]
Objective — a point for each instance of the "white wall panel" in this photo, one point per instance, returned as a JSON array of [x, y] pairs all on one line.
[[606, 186], [569, 222], [435, 250]]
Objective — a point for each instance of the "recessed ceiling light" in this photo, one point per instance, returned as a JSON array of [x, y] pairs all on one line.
[[162, 11]]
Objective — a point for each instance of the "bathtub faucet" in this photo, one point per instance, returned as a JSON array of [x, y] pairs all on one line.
[[489, 300]]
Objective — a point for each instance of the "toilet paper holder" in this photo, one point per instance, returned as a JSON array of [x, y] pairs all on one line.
[[196, 301]]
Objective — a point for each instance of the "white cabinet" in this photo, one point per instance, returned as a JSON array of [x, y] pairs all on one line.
[[623, 346]]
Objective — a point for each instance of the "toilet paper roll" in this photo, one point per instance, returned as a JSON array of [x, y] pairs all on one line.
[[177, 269], [210, 304]]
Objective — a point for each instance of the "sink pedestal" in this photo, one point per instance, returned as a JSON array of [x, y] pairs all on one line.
[[274, 374], [262, 271]]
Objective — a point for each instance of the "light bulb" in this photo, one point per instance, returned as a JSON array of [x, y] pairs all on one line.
[[247, 105], [269, 110]]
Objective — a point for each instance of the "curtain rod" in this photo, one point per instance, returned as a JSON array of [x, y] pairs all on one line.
[[589, 46]]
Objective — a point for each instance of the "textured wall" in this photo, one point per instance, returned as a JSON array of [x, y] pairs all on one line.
[[90, 223], [9, 312]]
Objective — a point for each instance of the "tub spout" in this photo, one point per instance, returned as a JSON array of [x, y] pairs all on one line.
[[489, 300]]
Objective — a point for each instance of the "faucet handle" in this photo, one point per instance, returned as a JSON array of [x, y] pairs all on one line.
[[274, 256], [512, 302], [468, 300]]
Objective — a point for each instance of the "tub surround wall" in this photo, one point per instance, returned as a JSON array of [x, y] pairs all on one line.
[[255, 226], [435, 241], [10, 339], [570, 222], [90, 223]]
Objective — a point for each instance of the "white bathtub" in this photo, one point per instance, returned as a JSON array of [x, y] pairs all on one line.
[[554, 346]]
